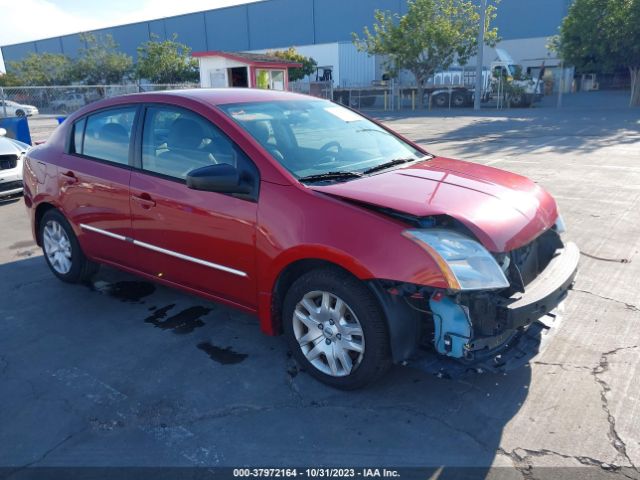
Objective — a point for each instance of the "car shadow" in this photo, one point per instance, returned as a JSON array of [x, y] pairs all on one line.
[[133, 373]]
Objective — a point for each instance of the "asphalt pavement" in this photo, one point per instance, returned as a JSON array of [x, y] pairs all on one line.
[[123, 372]]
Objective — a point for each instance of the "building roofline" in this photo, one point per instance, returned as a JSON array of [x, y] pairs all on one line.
[[240, 57], [134, 23]]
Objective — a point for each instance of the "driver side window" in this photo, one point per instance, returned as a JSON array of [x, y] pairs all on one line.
[[176, 141]]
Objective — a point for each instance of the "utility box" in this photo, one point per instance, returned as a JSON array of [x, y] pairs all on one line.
[[243, 69]]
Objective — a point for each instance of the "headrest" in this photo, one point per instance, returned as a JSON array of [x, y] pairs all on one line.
[[185, 134]]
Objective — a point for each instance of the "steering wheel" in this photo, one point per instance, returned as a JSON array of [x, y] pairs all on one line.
[[328, 154]]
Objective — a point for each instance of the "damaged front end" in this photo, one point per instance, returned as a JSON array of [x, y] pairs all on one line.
[[498, 306]]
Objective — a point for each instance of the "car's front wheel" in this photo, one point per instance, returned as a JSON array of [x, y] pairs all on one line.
[[62, 251], [336, 329]]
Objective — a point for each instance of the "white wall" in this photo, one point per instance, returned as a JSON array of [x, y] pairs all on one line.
[[216, 65], [528, 52], [353, 68]]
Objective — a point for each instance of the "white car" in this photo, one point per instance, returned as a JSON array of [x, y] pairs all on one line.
[[12, 153], [69, 103], [15, 109]]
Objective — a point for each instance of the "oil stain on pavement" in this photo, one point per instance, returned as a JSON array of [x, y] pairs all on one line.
[[23, 244], [131, 291], [181, 323], [126, 291], [224, 356]]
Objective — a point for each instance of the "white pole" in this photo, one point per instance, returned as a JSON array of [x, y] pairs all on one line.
[[478, 89], [560, 83], [4, 105]]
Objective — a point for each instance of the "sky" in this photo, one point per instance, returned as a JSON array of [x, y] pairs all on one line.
[[25, 20]]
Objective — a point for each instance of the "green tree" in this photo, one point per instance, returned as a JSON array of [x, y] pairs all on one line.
[[262, 79], [602, 35], [9, 79], [99, 62], [297, 73], [41, 69], [168, 61], [430, 36]]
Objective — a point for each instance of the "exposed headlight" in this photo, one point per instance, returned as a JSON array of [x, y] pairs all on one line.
[[465, 263], [560, 225]]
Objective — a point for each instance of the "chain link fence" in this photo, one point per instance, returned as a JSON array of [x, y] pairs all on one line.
[[63, 100], [386, 96]]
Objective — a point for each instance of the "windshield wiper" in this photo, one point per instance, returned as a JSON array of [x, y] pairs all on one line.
[[390, 163], [330, 176]]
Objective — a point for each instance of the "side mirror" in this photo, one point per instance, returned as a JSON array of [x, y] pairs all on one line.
[[3, 132], [220, 177]]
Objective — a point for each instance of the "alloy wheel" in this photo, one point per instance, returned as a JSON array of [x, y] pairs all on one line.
[[328, 333], [57, 247]]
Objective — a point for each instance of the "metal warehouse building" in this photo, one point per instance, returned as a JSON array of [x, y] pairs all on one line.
[[319, 28]]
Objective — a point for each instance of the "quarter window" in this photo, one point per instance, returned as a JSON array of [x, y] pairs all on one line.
[[76, 140], [176, 141], [107, 135]]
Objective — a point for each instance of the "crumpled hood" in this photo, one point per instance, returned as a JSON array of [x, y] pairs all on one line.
[[504, 210]]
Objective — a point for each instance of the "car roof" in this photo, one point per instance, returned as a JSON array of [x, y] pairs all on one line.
[[221, 96]]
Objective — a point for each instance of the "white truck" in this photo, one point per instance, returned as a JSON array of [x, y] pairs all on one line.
[[502, 81]]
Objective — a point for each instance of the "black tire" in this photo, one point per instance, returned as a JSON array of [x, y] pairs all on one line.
[[458, 99], [82, 269], [19, 113], [519, 100], [376, 358], [441, 100]]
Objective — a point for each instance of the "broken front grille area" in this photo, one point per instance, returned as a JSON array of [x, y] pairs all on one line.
[[521, 266]]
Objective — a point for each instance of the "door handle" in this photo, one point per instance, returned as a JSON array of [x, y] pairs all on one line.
[[144, 199], [69, 177]]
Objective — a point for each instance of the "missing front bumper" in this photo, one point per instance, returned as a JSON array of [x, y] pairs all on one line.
[[518, 324], [517, 352]]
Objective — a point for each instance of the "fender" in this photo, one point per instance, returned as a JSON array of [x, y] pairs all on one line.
[[267, 282], [404, 323]]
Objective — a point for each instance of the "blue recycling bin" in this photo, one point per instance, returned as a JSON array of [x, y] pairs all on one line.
[[17, 128]]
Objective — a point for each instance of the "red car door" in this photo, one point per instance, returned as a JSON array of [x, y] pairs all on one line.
[[95, 174], [201, 240]]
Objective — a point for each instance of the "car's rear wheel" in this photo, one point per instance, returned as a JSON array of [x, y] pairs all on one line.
[[62, 251], [336, 329]]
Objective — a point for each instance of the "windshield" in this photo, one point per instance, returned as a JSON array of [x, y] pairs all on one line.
[[316, 137]]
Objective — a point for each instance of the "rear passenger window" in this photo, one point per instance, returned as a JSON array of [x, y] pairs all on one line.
[[107, 135]]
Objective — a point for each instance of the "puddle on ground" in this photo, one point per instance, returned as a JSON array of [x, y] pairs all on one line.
[[225, 356], [184, 322]]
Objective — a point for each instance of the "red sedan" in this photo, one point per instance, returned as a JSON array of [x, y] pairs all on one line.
[[354, 242]]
